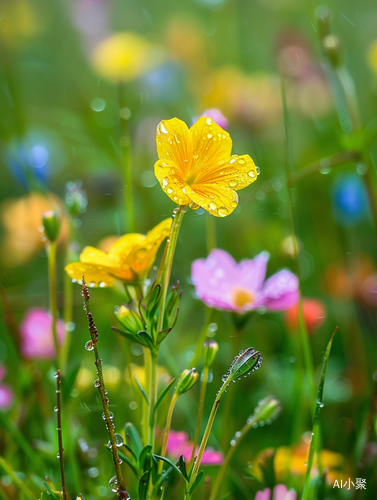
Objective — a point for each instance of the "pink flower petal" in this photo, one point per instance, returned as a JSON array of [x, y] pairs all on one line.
[[263, 494], [6, 396], [36, 333], [280, 291], [252, 272], [282, 493]]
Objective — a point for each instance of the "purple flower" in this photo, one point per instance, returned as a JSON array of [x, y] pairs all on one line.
[[223, 284], [280, 493], [216, 116], [36, 334]]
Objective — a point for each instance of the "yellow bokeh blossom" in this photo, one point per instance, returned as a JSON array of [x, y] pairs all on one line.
[[124, 56], [22, 222], [128, 259], [196, 167]]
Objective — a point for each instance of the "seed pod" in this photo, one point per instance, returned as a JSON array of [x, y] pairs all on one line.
[[51, 224], [187, 380]]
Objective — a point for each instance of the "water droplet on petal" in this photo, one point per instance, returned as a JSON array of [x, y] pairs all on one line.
[[241, 161], [209, 136], [212, 206], [101, 284], [233, 184], [165, 182], [209, 121], [251, 174], [169, 190], [233, 204], [223, 211]]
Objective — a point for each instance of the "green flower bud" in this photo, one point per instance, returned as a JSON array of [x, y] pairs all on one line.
[[267, 410], [210, 348], [245, 362], [187, 380], [51, 224], [129, 319]]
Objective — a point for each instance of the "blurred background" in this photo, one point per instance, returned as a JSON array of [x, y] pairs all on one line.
[[83, 80]]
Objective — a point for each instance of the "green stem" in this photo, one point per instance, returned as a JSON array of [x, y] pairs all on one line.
[[211, 233], [200, 413], [178, 214], [207, 432], [60, 437], [152, 396], [7, 469], [167, 430], [303, 331], [229, 455], [210, 313], [51, 256], [126, 160], [100, 384]]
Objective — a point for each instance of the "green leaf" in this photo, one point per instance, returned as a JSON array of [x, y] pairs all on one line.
[[134, 437], [153, 302], [171, 465], [162, 335], [131, 464], [182, 467], [162, 395], [130, 336], [196, 482], [142, 390], [315, 431], [143, 485], [146, 338], [143, 458], [129, 449]]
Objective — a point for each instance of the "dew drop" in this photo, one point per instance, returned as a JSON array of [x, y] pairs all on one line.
[[233, 204], [209, 136], [209, 121], [212, 206], [222, 211], [89, 346], [169, 190], [233, 184], [123, 495], [241, 161], [258, 170], [56, 409], [165, 182], [251, 174], [102, 284], [97, 383], [118, 440], [58, 455], [233, 442], [163, 130], [113, 483], [92, 284], [56, 375]]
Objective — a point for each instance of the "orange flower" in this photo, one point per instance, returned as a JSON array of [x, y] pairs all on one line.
[[196, 167], [128, 259]]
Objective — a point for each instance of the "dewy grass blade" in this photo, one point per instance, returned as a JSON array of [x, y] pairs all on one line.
[[318, 406]]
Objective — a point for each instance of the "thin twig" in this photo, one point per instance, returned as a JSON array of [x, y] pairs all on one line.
[[100, 385]]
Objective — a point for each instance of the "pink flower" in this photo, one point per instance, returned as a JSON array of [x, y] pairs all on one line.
[[280, 493], [178, 444], [223, 284], [36, 332], [216, 116], [6, 392]]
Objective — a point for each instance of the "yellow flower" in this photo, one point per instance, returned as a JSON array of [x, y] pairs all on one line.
[[196, 167], [128, 259], [123, 56], [22, 221]]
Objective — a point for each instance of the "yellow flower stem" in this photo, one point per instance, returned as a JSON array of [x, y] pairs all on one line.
[[51, 256], [146, 412], [203, 444], [165, 278], [211, 233], [200, 413], [126, 160], [167, 430], [67, 307]]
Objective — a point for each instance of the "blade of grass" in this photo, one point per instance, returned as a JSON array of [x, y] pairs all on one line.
[[317, 411]]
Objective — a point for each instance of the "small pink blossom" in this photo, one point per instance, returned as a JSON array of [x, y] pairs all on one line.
[[179, 444], [216, 116], [223, 284], [36, 333], [280, 493], [6, 392]]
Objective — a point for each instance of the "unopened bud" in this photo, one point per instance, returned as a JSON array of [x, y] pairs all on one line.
[[331, 46], [128, 319], [51, 224], [245, 362], [187, 380], [210, 348], [267, 410]]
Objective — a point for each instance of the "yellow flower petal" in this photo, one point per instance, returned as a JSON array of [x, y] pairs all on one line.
[[218, 200], [95, 274], [128, 259], [174, 146], [211, 145]]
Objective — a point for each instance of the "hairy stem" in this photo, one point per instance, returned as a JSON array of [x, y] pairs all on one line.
[[60, 437], [51, 256]]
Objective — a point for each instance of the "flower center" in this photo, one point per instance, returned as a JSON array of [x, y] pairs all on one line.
[[241, 296]]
